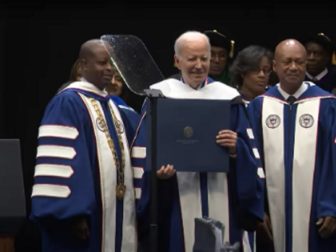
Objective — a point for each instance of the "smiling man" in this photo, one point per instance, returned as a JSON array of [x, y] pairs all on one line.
[[234, 198], [294, 124], [83, 197]]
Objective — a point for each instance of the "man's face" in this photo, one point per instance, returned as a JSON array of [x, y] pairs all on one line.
[[97, 68], [194, 61], [218, 60], [290, 66], [317, 58]]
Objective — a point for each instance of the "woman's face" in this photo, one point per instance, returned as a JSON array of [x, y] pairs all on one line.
[[255, 81], [116, 85]]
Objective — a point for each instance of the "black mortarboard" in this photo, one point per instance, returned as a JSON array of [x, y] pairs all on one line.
[[218, 39], [323, 40]]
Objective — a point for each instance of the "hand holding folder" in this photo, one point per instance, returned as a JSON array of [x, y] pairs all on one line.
[[186, 134], [166, 171], [228, 138]]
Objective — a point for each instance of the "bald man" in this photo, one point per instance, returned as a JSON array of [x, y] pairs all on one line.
[[83, 196], [190, 195], [294, 124]]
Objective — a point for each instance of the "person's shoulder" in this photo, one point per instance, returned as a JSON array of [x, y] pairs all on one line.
[[220, 86], [317, 90], [124, 107], [164, 83], [127, 109], [66, 94], [271, 92], [118, 100], [64, 100], [66, 106]]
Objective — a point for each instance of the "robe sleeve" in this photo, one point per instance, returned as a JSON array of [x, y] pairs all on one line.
[[326, 195], [250, 178], [142, 174], [65, 162]]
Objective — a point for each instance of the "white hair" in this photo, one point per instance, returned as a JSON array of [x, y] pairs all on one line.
[[189, 36]]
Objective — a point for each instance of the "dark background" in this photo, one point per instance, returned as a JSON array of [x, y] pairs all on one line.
[[39, 41]]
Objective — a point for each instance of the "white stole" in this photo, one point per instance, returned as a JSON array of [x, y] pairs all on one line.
[[305, 141], [108, 182], [189, 182]]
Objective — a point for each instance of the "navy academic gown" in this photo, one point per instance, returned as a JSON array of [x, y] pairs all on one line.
[[234, 199], [298, 149], [328, 82], [75, 173]]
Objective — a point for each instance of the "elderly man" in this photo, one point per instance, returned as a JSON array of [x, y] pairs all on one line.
[[83, 196], [234, 198], [294, 124]]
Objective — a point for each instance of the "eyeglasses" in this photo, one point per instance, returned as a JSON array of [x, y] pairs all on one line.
[[265, 71]]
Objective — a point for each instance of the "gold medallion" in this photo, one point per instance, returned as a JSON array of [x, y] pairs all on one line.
[[120, 191], [120, 164], [188, 132]]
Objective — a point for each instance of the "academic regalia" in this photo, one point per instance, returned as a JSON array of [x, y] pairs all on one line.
[[231, 198], [75, 173], [218, 39], [224, 77], [118, 100], [326, 79], [298, 153]]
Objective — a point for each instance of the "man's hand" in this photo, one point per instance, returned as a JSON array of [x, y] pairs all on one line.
[[228, 138], [166, 171], [326, 226]]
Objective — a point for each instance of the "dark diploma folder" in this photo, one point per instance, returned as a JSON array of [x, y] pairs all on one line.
[[186, 134]]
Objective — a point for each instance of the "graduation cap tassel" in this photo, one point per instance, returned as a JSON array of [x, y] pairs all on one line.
[[231, 53], [333, 60]]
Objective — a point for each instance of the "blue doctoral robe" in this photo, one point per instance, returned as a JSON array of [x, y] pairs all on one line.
[[327, 82], [118, 100], [75, 173], [298, 150], [236, 198]]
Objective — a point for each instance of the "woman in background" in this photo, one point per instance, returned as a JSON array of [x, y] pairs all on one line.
[[250, 74], [250, 71]]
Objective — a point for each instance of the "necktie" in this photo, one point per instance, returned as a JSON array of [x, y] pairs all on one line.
[[291, 99]]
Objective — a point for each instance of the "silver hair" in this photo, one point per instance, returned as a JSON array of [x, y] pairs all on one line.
[[188, 36]]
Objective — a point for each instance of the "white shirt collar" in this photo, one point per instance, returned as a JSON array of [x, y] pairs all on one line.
[[297, 94], [319, 76], [83, 84]]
